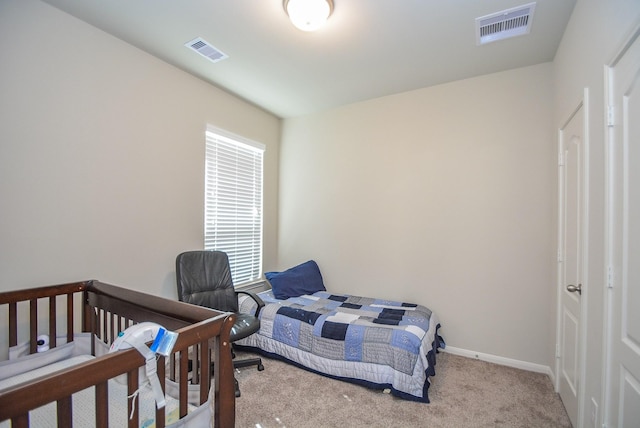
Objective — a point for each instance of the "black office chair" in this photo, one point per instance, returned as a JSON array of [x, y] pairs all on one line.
[[204, 279]]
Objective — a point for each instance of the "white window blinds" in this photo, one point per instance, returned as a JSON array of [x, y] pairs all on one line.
[[233, 202]]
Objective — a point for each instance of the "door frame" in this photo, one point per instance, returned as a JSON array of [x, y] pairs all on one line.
[[610, 228], [584, 230]]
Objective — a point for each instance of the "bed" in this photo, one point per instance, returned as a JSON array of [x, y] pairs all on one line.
[[58, 370], [381, 344]]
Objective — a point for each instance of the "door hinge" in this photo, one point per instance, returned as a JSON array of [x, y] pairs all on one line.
[[610, 116], [559, 256], [609, 277], [561, 159], [557, 350]]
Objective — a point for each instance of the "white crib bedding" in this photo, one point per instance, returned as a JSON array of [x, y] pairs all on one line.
[[84, 401]]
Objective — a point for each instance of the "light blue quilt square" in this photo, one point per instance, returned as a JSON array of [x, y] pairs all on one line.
[[405, 340], [353, 342], [286, 330]]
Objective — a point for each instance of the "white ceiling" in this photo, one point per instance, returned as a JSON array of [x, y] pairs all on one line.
[[368, 48]]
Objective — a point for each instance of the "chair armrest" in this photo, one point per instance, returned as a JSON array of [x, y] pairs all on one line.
[[255, 298]]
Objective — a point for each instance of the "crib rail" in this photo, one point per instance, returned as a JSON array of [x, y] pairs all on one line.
[[33, 296]]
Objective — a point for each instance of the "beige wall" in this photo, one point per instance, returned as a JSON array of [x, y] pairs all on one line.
[[102, 155], [596, 31], [442, 196]]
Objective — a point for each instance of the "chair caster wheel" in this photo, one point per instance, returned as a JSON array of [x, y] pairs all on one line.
[[260, 367]]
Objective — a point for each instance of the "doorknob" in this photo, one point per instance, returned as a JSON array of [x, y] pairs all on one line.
[[572, 288]]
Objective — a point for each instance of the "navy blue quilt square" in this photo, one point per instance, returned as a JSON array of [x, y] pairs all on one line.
[[299, 314], [409, 305], [334, 330], [350, 306], [337, 298], [393, 314], [386, 321]]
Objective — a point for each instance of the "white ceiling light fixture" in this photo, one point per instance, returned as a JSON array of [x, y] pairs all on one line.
[[308, 15]]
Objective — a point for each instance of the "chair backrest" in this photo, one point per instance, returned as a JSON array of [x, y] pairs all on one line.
[[204, 278]]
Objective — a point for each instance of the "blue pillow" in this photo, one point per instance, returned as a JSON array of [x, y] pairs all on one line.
[[296, 281]]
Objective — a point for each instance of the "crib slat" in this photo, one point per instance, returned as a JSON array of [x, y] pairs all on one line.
[[205, 370], [172, 366], [105, 325], [52, 322], [13, 324], [160, 413], [70, 311], [196, 364], [121, 324], [90, 318], [102, 405], [33, 326], [113, 326], [184, 360], [21, 421], [65, 412], [132, 402], [86, 316]]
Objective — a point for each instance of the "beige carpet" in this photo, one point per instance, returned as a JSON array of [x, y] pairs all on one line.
[[464, 393]]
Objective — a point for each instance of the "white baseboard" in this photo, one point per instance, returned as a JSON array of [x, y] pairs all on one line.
[[509, 362]]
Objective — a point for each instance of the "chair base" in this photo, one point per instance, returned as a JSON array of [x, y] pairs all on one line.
[[246, 363], [249, 362]]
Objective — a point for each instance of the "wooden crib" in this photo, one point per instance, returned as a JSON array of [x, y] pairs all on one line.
[[103, 310]]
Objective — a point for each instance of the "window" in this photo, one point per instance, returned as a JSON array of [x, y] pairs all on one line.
[[233, 202]]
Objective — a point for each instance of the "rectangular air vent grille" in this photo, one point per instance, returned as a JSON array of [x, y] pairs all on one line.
[[502, 25], [206, 50]]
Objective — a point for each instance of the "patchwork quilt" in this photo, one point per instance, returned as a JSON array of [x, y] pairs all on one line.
[[378, 343]]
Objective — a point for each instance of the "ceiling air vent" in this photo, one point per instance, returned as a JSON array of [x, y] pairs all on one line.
[[206, 50], [502, 25]]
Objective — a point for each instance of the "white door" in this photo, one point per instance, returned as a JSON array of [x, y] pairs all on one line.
[[571, 240], [622, 406]]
